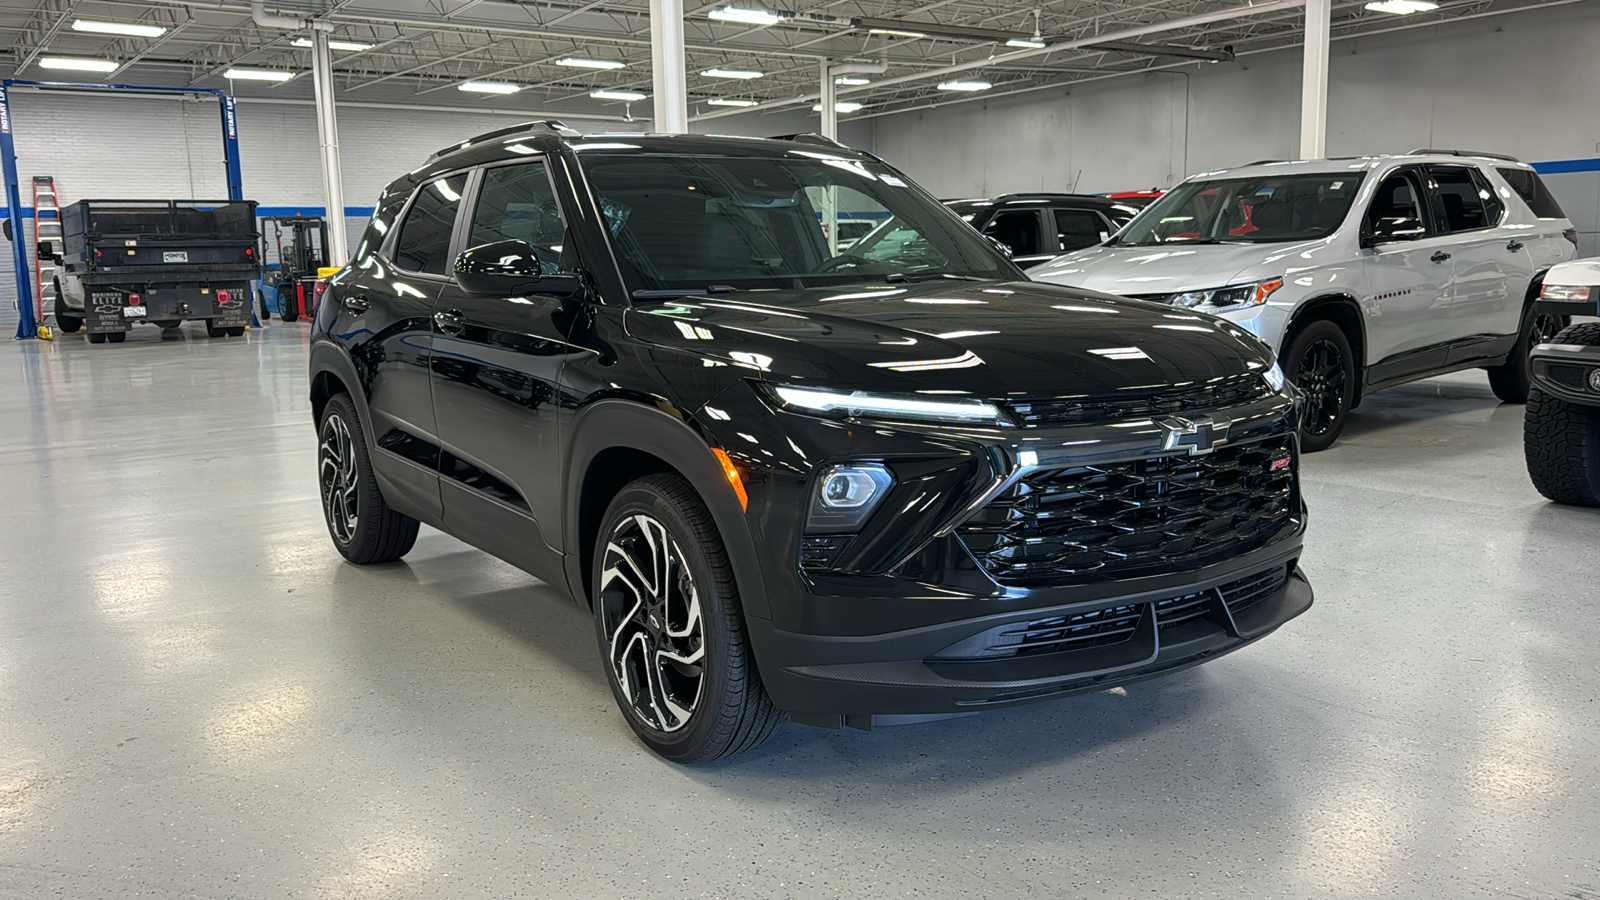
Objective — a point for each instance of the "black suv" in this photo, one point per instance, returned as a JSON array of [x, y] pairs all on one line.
[[1041, 227], [853, 488]]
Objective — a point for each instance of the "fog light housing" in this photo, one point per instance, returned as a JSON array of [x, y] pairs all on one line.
[[845, 495], [1594, 380]]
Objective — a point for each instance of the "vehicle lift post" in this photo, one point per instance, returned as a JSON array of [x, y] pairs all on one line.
[[22, 256]]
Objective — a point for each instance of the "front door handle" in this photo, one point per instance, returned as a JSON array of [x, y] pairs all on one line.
[[357, 303], [1514, 246], [450, 321], [1440, 256]]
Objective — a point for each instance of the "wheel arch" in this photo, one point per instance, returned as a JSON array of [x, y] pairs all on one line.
[[1344, 311], [332, 373], [616, 441]]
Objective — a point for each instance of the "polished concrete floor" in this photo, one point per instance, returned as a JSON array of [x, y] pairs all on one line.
[[199, 699]]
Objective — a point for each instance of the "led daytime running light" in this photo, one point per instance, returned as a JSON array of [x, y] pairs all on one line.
[[861, 403]]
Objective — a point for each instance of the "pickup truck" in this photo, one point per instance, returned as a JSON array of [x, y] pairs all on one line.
[[156, 261]]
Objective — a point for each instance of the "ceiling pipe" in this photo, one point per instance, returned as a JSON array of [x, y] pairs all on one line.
[[860, 68], [259, 14]]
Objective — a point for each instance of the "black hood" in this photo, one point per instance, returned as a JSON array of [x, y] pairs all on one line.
[[986, 338]]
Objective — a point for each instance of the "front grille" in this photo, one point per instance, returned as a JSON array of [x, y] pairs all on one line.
[[1115, 624], [1220, 393], [1573, 378], [1142, 517]]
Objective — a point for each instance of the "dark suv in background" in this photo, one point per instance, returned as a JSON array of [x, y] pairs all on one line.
[[1041, 227], [855, 486]]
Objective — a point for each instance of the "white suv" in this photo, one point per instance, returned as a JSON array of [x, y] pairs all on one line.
[[1361, 273]]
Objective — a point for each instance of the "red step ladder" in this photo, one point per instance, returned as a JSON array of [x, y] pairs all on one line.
[[46, 229]]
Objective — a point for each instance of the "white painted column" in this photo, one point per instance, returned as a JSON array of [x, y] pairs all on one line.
[[830, 97], [1314, 82], [666, 60], [328, 138]]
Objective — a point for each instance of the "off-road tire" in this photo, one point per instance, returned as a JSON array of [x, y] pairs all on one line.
[[732, 712], [1561, 440], [378, 534]]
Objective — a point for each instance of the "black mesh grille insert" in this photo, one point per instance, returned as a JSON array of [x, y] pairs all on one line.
[[1573, 378], [1221, 393], [1144, 517]]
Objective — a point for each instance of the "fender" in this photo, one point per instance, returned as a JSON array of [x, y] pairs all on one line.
[[1323, 301], [612, 423]]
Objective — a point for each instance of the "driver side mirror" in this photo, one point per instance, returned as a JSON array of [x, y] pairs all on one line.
[[1002, 246], [507, 268], [44, 251], [1395, 228]]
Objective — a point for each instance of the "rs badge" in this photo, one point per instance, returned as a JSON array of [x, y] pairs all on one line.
[[1198, 436]]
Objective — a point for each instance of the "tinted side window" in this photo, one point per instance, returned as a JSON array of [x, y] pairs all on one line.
[[1017, 230], [1396, 198], [1079, 228], [1530, 187], [517, 203], [424, 243], [1461, 199]]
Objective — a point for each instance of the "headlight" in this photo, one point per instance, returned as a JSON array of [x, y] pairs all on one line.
[[846, 404], [1224, 299], [1572, 292], [845, 495], [1274, 377]]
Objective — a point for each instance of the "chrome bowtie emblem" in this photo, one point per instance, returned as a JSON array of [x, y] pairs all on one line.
[[1199, 435]]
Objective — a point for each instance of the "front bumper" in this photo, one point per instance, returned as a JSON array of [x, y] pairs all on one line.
[[856, 680], [1565, 371]]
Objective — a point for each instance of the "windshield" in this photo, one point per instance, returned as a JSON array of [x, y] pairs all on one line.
[[695, 222], [1246, 210]]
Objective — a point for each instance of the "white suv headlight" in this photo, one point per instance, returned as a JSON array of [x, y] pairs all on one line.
[[1274, 377], [1225, 299]]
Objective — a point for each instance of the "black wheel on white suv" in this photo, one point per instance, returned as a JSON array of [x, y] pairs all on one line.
[[1561, 440], [1512, 379], [1319, 361], [671, 629]]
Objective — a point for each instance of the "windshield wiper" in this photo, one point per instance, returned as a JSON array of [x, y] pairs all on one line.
[[908, 278], [680, 293]]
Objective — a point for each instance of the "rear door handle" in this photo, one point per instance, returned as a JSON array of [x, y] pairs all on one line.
[[1440, 257], [357, 304], [450, 321], [1514, 246]]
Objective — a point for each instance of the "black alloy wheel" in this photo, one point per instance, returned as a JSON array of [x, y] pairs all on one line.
[[363, 526], [1512, 380], [670, 627], [1320, 363]]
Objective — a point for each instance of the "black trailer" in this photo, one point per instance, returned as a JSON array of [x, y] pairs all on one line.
[[156, 261]]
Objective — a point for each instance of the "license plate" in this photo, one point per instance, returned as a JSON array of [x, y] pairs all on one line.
[[175, 256], [133, 312]]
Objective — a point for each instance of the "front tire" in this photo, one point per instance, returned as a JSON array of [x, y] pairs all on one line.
[[670, 627], [1512, 379], [1319, 361], [363, 527], [1561, 440]]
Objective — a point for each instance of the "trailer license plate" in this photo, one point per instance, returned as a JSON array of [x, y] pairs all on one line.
[[175, 256], [133, 312]]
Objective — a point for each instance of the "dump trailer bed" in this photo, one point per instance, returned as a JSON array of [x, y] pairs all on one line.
[[156, 261]]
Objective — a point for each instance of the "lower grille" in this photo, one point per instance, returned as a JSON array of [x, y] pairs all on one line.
[[1573, 378], [1143, 517], [1115, 624]]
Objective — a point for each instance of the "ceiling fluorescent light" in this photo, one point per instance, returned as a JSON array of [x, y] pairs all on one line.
[[578, 63], [78, 64], [335, 45], [258, 74], [729, 101], [1026, 43], [617, 95], [489, 87], [746, 16], [149, 31], [897, 32], [741, 74], [852, 80], [844, 106], [1402, 7], [964, 85]]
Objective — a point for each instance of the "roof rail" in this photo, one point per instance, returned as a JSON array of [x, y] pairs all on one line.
[[809, 137], [1481, 153], [555, 126], [1263, 162]]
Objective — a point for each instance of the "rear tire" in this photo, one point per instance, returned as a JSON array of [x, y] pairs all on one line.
[[235, 331], [1512, 379], [65, 320], [97, 337], [1561, 440], [261, 301], [363, 527], [671, 629], [1319, 361], [214, 330], [117, 337], [288, 305]]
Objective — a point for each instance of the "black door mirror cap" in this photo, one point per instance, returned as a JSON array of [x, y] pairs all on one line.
[[509, 268], [1395, 228]]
